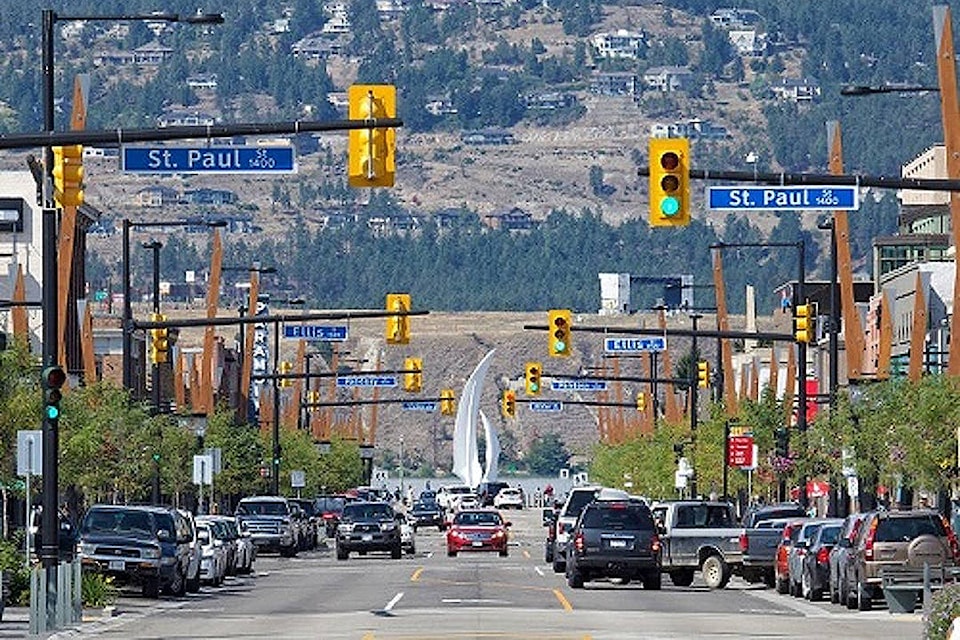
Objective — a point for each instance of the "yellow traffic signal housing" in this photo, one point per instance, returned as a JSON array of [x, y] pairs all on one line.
[[805, 322], [159, 345], [669, 182], [508, 403], [534, 370], [413, 375], [560, 326], [641, 401], [68, 175], [448, 403], [285, 369], [371, 152], [398, 326], [703, 374]]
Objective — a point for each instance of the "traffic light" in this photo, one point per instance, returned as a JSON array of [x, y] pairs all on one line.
[[508, 403], [560, 325], [159, 345], [804, 322], [448, 403], [52, 380], [312, 396], [398, 326], [413, 375], [641, 401], [703, 374], [782, 442], [533, 373], [285, 369], [669, 182], [68, 175], [371, 158]]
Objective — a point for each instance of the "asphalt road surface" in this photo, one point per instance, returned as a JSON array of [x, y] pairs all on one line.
[[429, 595]]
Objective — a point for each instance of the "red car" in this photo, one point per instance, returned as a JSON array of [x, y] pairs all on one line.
[[477, 530]]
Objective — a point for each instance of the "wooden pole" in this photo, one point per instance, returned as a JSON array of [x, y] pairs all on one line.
[[723, 324], [205, 394], [918, 332]]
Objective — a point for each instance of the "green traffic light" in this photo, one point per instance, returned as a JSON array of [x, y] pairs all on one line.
[[52, 412], [560, 346], [669, 206]]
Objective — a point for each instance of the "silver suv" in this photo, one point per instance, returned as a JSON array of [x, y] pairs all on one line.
[[577, 499]]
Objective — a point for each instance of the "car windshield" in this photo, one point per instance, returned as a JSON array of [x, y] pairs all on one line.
[[478, 519], [617, 517], [578, 500], [703, 515], [424, 506], [330, 504], [262, 509], [117, 521], [906, 529], [203, 535], [829, 535], [309, 508], [368, 512]]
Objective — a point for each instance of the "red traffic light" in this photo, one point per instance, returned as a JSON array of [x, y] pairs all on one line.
[[54, 377], [670, 161]]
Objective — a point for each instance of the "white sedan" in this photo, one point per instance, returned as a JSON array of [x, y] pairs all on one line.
[[508, 498]]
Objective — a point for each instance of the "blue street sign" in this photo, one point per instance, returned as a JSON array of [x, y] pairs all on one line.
[[208, 160], [806, 198], [578, 385], [366, 381], [549, 406], [315, 332], [634, 345], [419, 406]]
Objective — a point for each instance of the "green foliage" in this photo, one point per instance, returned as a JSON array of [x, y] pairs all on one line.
[[547, 455], [944, 610], [97, 589], [14, 571]]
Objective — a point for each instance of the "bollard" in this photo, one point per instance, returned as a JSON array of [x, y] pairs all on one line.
[[927, 591]]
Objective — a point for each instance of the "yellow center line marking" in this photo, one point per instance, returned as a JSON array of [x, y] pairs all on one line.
[[526, 554], [416, 574], [563, 601], [368, 636]]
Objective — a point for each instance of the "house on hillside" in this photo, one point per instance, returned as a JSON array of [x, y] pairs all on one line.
[[748, 43], [550, 101], [152, 53], [613, 83], [487, 136], [732, 18], [208, 196], [156, 196], [205, 81], [668, 79], [793, 90], [623, 44], [183, 117], [316, 47], [513, 219], [693, 128]]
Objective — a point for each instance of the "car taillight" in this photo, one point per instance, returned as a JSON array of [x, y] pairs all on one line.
[[952, 538], [578, 542], [823, 556], [868, 542], [560, 527], [744, 543], [655, 543]]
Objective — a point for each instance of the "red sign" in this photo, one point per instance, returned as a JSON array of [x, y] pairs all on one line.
[[813, 388], [740, 451]]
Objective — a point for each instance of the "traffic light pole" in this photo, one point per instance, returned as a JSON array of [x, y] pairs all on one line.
[[275, 469], [802, 372], [155, 247], [694, 358]]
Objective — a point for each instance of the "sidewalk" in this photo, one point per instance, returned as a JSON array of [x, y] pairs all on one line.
[[15, 623]]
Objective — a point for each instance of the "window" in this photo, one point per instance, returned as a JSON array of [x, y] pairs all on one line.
[[906, 529], [616, 518]]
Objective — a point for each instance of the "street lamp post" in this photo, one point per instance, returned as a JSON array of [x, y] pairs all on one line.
[[155, 246], [50, 528], [694, 356], [275, 480]]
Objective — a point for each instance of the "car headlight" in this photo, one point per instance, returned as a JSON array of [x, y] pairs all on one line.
[[345, 528], [388, 526], [150, 554], [87, 549]]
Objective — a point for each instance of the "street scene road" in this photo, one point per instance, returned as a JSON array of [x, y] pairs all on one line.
[[430, 595]]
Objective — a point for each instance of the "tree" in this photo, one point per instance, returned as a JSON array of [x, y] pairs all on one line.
[[547, 455]]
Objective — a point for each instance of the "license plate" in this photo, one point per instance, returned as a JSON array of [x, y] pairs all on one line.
[[618, 544], [478, 543], [115, 565], [367, 537]]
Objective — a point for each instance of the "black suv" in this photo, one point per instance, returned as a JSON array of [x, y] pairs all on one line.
[[614, 540], [426, 514], [368, 526], [148, 546]]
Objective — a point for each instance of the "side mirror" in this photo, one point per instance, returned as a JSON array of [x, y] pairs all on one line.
[[508, 524], [163, 534], [801, 544], [548, 517]]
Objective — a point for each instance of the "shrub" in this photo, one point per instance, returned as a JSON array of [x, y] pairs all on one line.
[[943, 610], [97, 590], [15, 574]]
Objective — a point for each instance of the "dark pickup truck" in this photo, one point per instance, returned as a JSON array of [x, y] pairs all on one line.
[[697, 535], [760, 538]]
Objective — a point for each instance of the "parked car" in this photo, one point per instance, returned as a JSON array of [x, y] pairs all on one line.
[[477, 530], [426, 514], [815, 567], [238, 543], [797, 552], [369, 526], [311, 524], [614, 539], [509, 498], [488, 491], [330, 508], [763, 529], [213, 562], [893, 539], [193, 570], [781, 568], [271, 523], [698, 535], [147, 546], [549, 521], [839, 555], [784, 510]]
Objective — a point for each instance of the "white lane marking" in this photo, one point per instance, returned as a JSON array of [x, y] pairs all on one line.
[[539, 571], [393, 602], [430, 555]]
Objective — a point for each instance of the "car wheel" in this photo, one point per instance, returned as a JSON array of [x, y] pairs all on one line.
[[864, 599], [814, 593], [451, 553], [342, 554], [559, 566], [504, 553], [193, 584], [682, 577], [574, 579], [651, 581], [178, 585], [716, 572], [548, 555], [849, 598], [396, 553], [150, 588], [780, 583]]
